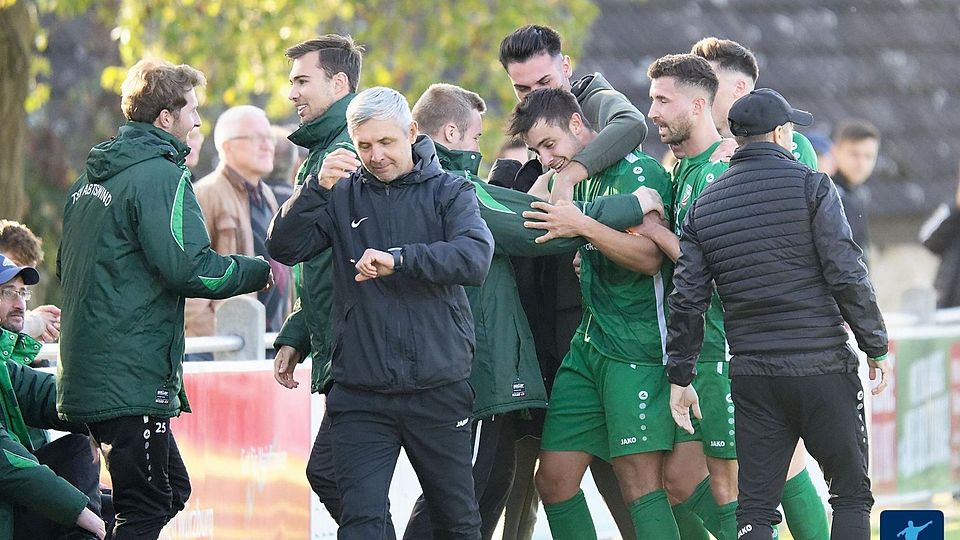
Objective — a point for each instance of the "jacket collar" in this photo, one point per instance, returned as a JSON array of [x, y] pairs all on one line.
[[457, 161], [425, 166], [324, 129], [237, 180], [181, 147], [759, 149], [18, 346]]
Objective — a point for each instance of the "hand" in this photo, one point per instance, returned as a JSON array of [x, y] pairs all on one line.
[[682, 399], [338, 164], [270, 281], [572, 174], [560, 220], [91, 522], [724, 151], [650, 201], [541, 187], [373, 264], [874, 367], [283, 365], [43, 323], [576, 264]]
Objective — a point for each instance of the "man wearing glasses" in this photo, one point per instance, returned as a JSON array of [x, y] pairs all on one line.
[[63, 496], [237, 208]]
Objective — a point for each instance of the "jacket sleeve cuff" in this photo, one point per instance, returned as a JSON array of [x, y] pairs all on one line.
[[680, 373]]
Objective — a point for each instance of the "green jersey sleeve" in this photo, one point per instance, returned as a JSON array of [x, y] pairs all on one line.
[[803, 150]]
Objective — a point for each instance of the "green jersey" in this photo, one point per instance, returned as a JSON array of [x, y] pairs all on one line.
[[691, 175], [803, 150], [626, 312]]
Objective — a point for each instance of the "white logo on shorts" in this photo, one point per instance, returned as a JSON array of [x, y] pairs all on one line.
[[628, 440]]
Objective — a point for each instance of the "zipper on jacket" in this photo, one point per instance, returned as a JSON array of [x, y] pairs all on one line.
[[586, 329]]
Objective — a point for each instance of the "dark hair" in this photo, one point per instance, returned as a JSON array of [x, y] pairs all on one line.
[[445, 103], [528, 41], [153, 85], [19, 243], [688, 70], [511, 143], [855, 130], [553, 105], [337, 54], [747, 139], [728, 54]]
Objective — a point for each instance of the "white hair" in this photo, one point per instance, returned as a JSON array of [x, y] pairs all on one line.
[[229, 124], [379, 103]]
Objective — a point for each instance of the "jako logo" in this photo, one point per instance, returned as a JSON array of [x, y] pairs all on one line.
[[911, 525], [463, 422], [744, 530], [718, 444], [628, 440]]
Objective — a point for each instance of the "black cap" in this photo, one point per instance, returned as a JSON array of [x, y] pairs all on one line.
[[761, 111]]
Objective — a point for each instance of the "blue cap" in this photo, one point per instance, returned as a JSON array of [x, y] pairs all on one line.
[[9, 270]]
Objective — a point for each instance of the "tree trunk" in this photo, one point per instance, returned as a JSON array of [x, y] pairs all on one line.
[[16, 41]]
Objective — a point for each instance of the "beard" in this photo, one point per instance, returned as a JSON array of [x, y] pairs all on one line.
[[678, 131]]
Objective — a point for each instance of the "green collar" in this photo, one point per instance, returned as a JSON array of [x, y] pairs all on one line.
[[178, 145], [455, 161], [20, 348], [322, 130]]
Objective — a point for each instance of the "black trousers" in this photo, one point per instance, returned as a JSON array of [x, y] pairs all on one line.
[[150, 481], [71, 457], [433, 428], [827, 412], [493, 466]]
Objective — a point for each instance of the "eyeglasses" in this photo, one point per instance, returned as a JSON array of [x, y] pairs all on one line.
[[256, 139], [11, 294]]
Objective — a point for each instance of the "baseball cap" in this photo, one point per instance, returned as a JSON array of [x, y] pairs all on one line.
[[9, 270], [761, 111]]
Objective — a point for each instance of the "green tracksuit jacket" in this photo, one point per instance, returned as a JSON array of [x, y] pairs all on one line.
[[134, 247]]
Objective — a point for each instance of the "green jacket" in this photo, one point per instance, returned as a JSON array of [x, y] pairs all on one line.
[[134, 247], [307, 329], [620, 125], [29, 397], [506, 374], [22, 349]]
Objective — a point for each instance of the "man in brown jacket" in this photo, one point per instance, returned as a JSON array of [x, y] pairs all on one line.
[[238, 207]]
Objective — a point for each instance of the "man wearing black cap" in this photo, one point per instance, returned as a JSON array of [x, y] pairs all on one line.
[[772, 235]]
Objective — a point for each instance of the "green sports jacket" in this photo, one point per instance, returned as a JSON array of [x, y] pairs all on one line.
[[134, 246], [506, 374], [307, 328]]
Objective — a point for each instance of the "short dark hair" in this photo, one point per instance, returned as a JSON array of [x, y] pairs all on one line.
[[855, 130], [19, 244], [747, 139], [728, 54], [688, 70], [552, 105], [528, 41], [153, 85], [337, 54], [445, 103]]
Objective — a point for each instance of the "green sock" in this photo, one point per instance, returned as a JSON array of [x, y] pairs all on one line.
[[570, 519], [689, 525], [702, 503], [806, 518], [728, 521], [652, 517]]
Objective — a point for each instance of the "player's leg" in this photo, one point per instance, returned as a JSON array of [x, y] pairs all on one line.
[[719, 442], [802, 506], [840, 446], [765, 439], [686, 480], [606, 482]]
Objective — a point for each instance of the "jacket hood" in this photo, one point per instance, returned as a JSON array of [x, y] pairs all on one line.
[[752, 150], [457, 161], [426, 165], [135, 142], [322, 130], [588, 85]]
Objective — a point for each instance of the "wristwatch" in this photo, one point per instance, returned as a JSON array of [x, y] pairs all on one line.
[[397, 258]]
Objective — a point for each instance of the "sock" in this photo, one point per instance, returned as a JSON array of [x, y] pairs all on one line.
[[652, 517], [570, 519], [702, 503], [728, 521], [689, 525], [803, 509]]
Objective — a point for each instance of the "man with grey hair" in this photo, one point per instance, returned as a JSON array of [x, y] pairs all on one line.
[[237, 209], [405, 238]]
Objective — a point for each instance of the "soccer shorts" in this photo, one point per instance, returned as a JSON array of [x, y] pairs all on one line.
[[716, 430]]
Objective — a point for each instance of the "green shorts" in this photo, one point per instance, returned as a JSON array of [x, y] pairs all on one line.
[[716, 430], [607, 408]]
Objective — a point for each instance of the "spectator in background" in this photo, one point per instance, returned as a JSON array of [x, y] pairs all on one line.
[[195, 141], [286, 159], [237, 208], [856, 144], [941, 235], [823, 146], [19, 244]]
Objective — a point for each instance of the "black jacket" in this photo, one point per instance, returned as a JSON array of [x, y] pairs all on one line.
[[412, 330], [941, 235], [856, 201], [771, 234]]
